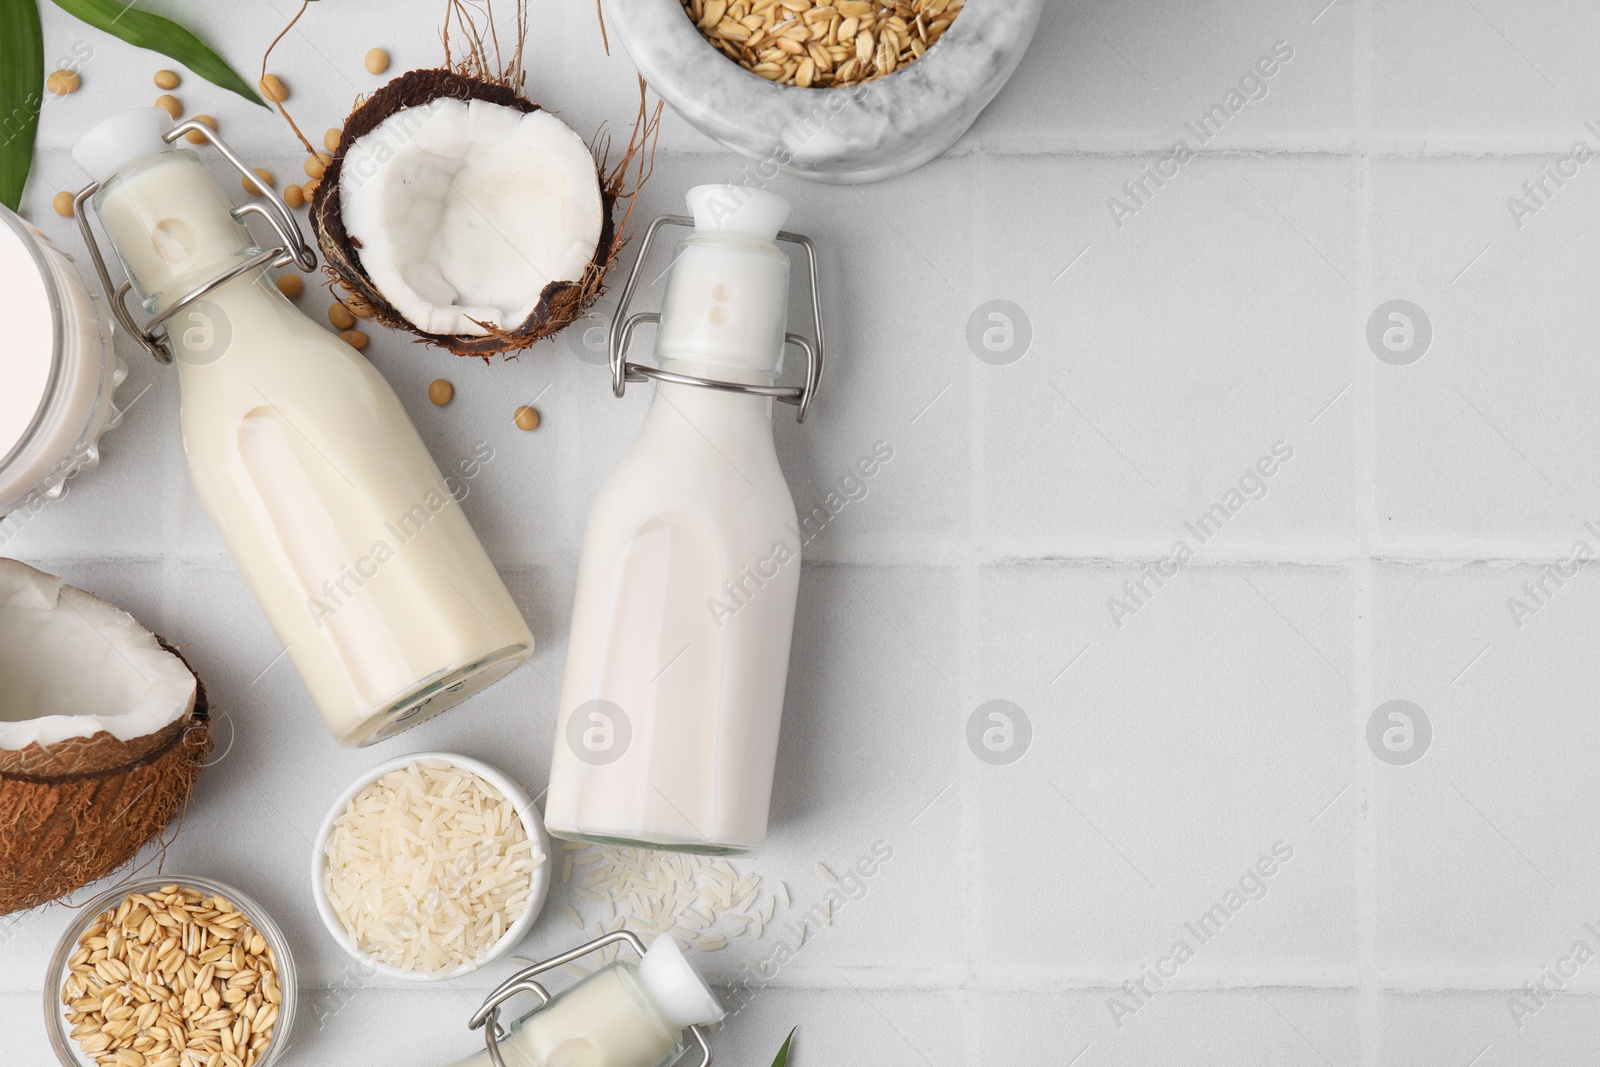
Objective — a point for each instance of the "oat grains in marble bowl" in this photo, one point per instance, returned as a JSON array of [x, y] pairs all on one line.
[[846, 133]]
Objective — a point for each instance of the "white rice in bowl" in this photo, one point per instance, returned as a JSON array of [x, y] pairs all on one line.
[[428, 867]]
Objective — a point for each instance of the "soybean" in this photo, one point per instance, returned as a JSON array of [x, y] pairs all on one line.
[[254, 186], [62, 82], [194, 137]]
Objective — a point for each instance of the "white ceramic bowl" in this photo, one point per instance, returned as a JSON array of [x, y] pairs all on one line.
[[531, 821], [861, 134]]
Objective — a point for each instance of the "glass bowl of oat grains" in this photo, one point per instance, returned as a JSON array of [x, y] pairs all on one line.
[[170, 971]]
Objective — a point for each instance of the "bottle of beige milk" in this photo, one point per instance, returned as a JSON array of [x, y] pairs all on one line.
[[338, 518], [667, 731]]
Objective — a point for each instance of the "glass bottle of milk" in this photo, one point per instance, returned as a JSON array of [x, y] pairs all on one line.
[[622, 1015], [342, 525], [667, 730]]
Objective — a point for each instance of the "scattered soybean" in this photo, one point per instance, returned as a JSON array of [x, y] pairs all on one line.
[[254, 186], [205, 120]]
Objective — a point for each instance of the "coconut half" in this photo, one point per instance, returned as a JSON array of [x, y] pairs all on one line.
[[459, 210], [464, 212], [103, 730]]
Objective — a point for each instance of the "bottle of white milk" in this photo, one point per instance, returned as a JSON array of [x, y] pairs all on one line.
[[622, 1015], [667, 731], [338, 518]]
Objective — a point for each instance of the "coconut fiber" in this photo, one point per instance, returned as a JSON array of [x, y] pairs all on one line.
[[75, 811]]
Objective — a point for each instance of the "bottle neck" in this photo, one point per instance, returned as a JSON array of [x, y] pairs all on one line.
[[725, 309], [171, 226], [736, 426]]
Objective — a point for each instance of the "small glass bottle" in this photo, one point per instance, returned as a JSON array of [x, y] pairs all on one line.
[[623, 1015], [351, 539]]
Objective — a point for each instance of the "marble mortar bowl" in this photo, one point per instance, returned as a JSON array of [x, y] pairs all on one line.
[[863, 133]]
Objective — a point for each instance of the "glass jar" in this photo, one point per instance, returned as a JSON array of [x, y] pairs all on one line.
[[58, 365]]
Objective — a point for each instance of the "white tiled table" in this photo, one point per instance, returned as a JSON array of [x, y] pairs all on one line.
[[1226, 714]]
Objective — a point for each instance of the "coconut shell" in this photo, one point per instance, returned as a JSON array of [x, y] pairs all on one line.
[[560, 304], [77, 811]]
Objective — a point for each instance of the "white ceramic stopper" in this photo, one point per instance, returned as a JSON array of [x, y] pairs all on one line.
[[677, 988], [738, 209], [121, 139]]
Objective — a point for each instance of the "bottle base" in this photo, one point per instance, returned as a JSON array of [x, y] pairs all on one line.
[[693, 847], [437, 694]]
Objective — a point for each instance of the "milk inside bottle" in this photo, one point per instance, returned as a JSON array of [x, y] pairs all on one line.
[[344, 528], [667, 730], [622, 1015]]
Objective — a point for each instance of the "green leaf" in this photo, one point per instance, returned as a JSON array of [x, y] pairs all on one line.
[[783, 1053], [144, 30], [21, 94]]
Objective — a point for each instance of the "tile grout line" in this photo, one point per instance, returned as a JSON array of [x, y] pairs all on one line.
[[1364, 430], [1076, 144], [969, 589], [1305, 554]]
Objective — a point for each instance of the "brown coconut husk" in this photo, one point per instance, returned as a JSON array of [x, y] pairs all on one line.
[[74, 812], [474, 76]]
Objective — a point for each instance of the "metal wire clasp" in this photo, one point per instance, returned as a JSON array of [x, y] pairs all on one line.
[[487, 1017], [623, 325], [294, 249]]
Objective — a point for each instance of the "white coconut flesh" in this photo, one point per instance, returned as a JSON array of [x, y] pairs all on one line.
[[72, 665], [463, 211]]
